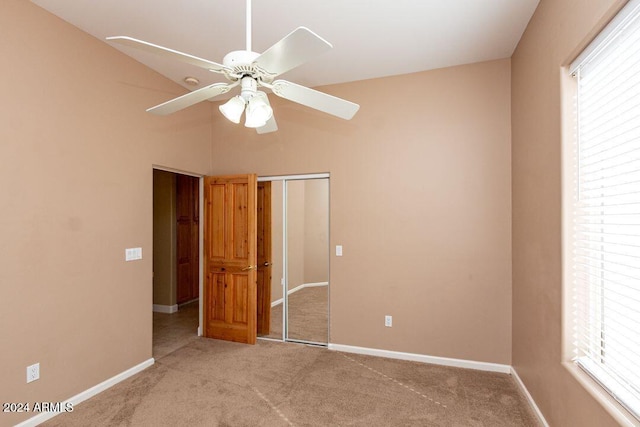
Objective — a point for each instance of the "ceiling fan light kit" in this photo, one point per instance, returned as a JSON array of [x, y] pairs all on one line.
[[258, 111], [233, 109], [251, 70]]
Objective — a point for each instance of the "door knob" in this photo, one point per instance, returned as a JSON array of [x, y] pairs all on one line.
[[266, 264], [249, 268]]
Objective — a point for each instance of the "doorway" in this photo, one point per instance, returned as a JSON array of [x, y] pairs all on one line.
[[298, 218], [176, 260]]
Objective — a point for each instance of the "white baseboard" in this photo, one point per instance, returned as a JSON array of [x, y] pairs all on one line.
[[297, 288], [532, 402], [169, 309], [314, 285], [81, 397], [445, 361]]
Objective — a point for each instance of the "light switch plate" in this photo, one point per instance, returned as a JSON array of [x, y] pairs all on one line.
[[338, 250], [132, 254]]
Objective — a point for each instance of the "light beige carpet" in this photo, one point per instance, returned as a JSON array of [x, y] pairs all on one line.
[[308, 316], [217, 383]]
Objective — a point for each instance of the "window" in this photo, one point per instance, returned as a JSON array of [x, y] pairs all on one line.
[[605, 257]]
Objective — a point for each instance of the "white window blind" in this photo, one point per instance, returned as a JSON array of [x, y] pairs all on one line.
[[606, 214]]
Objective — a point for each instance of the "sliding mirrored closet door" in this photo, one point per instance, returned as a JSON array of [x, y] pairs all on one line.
[[299, 264], [307, 260]]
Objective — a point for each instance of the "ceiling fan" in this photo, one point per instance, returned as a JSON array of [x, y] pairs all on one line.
[[250, 71]]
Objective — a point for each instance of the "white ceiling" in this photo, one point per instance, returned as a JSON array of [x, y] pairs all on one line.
[[371, 38]]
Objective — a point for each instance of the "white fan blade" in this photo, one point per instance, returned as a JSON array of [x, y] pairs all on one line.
[[163, 51], [314, 99], [189, 99], [296, 48]]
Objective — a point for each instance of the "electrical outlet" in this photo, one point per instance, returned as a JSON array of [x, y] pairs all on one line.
[[388, 321], [33, 372]]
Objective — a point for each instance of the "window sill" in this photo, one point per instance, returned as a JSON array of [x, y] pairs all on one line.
[[617, 411]]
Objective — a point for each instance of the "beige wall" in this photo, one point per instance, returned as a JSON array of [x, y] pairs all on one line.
[[164, 238], [277, 274], [277, 193], [295, 234], [76, 150], [420, 200], [308, 233], [556, 33], [316, 230]]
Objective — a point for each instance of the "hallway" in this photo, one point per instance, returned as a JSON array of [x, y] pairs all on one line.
[[173, 331]]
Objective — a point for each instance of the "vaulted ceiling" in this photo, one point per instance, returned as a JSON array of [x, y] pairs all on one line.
[[371, 38]]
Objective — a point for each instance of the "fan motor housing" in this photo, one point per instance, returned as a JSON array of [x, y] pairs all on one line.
[[239, 58], [241, 62]]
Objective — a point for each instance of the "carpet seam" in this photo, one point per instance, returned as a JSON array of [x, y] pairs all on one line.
[[272, 406], [395, 381]]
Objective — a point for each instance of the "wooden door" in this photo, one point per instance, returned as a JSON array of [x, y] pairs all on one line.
[[187, 219], [230, 262], [264, 258]]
